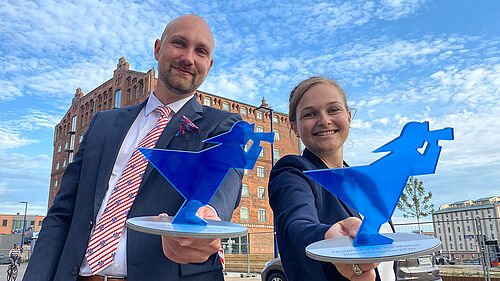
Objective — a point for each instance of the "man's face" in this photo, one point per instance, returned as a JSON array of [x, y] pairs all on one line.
[[184, 55]]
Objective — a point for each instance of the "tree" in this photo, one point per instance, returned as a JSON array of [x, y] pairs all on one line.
[[414, 202]]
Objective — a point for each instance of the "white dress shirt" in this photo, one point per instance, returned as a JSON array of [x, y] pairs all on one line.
[[144, 122]]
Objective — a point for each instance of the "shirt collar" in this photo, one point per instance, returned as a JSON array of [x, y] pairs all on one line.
[[154, 102]]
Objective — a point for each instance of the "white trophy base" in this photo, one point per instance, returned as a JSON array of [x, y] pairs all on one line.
[[341, 250], [164, 226]]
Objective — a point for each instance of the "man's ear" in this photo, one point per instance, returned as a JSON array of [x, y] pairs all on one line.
[[157, 49]]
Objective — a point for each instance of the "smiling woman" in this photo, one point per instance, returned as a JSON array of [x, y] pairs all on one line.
[[304, 212]]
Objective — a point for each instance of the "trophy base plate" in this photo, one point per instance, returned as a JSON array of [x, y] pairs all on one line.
[[341, 250], [164, 226]]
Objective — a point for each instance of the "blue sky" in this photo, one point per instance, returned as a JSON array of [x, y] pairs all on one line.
[[398, 60]]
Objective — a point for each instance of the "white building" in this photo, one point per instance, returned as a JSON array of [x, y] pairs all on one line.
[[455, 225]]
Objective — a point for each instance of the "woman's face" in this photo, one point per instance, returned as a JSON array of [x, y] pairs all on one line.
[[322, 120]]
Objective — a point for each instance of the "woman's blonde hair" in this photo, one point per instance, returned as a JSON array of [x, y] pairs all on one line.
[[303, 87]]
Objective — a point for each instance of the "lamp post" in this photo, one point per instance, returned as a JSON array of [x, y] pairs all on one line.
[[24, 224], [264, 108]]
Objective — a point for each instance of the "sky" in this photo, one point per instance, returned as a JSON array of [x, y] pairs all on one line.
[[398, 61]]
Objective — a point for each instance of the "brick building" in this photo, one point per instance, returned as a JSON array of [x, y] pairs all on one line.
[[455, 225], [128, 87], [14, 223]]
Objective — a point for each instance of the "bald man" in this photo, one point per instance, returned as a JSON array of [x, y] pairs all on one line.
[[75, 242]]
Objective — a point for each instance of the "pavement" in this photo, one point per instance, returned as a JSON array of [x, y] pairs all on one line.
[[229, 276], [3, 272]]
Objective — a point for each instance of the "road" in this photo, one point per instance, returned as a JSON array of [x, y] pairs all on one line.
[[3, 272]]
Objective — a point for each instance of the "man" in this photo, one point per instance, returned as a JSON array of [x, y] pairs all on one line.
[[15, 255], [83, 236]]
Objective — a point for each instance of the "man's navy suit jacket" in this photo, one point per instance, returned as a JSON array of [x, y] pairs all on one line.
[[65, 234]]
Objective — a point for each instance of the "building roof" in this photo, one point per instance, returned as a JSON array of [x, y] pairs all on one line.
[[466, 208]]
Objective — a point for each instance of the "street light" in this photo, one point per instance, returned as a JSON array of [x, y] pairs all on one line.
[[24, 223], [264, 108]]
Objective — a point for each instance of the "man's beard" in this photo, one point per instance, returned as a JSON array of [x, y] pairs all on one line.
[[178, 85]]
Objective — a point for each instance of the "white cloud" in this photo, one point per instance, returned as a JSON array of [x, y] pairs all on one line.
[[394, 9], [12, 139]]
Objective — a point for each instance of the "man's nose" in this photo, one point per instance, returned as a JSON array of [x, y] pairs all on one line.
[[187, 56]]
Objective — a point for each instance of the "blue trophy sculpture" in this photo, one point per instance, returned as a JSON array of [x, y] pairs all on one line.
[[211, 166], [374, 190]]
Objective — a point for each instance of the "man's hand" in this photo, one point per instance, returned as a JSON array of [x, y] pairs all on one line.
[[349, 227], [191, 250]]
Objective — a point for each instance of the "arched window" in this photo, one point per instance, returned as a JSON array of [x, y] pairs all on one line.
[[118, 98]]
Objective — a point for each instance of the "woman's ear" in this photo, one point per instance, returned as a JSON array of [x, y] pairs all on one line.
[[294, 129]]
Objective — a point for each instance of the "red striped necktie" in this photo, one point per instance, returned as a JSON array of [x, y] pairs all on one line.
[[104, 242]]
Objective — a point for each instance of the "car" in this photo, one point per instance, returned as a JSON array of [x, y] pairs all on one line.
[[422, 269], [4, 259], [273, 271]]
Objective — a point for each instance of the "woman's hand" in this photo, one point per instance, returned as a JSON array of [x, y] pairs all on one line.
[[355, 272]]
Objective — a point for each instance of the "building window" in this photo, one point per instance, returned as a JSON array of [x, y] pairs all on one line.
[[449, 230], [72, 142], [207, 101], [491, 227], [81, 138], [59, 148], [262, 215], [261, 154], [128, 95], [64, 163], [261, 172], [245, 172], [449, 237], [244, 190], [40, 223], [259, 129], [70, 157], [259, 115], [135, 92], [118, 98], [244, 214], [468, 228], [4, 222], [55, 184], [73, 123], [261, 192], [458, 229], [65, 145], [276, 135], [225, 106], [276, 154], [275, 119], [57, 165], [243, 111], [439, 230]]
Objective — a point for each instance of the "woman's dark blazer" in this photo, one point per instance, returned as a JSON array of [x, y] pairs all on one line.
[[303, 212]]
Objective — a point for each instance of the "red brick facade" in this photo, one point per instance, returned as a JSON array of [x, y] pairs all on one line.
[[135, 87]]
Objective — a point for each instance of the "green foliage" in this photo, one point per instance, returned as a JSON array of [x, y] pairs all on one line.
[[414, 202]]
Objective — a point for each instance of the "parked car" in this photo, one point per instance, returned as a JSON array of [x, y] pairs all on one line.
[[273, 271], [422, 269], [4, 259], [442, 260]]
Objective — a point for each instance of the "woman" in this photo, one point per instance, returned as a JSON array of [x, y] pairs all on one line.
[[304, 212]]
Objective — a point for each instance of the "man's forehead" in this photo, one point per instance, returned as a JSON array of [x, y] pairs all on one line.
[[185, 24]]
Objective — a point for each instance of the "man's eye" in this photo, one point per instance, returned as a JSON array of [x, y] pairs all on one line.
[[177, 43], [202, 51]]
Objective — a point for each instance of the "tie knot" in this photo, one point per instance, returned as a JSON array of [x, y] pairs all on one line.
[[164, 110]]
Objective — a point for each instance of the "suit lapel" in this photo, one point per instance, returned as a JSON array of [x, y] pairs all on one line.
[[193, 111], [118, 129]]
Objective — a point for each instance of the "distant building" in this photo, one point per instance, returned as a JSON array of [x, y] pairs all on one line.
[[10, 224], [455, 225], [128, 87]]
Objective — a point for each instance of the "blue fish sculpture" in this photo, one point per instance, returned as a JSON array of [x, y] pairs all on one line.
[[197, 175], [374, 190]]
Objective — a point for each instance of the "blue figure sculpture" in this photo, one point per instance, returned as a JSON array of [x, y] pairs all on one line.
[[197, 175], [374, 190]]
